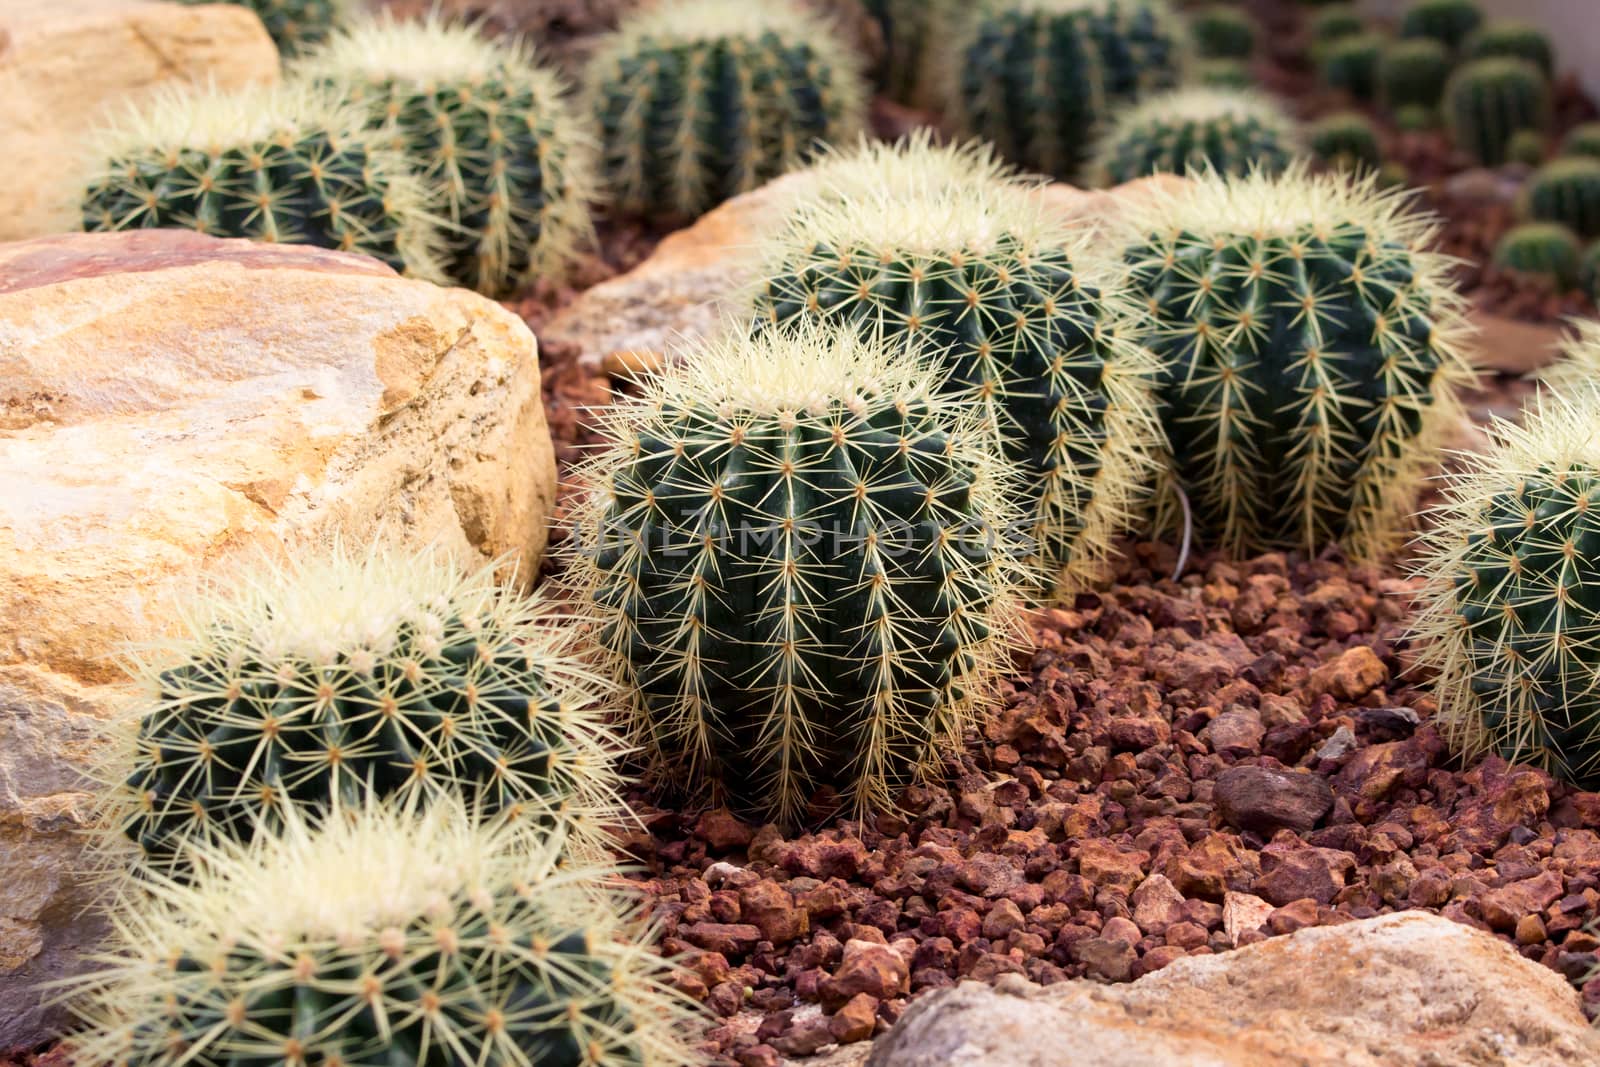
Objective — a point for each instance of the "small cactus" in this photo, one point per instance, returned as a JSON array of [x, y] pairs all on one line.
[[1545, 250], [1582, 140], [1567, 191], [1222, 32], [699, 100], [1526, 147], [1488, 100], [1414, 118], [1333, 23], [1346, 140], [486, 128], [1310, 350], [315, 684], [1507, 611], [1413, 71], [1036, 77], [1520, 40], [286, 165], [1223, 74], [1450, 22], [801, 557], [943, 249], [1351, 64], [1190, 130], [384, 938], [296, 26]]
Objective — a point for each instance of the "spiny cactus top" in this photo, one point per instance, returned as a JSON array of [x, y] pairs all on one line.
[[698, 100], [1448, 21], [945, 248], [804, 560], [1567, 191], [314, 684], [288, 164], [1191, 130], [1511, 38], [1509, 609], [1035, 77], [383, 939], [489, 131], [1311, 351], [1545, 250]]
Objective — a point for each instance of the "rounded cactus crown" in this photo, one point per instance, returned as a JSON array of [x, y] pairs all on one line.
[[1265, 133], [419, 52], [677, 22], [213, 120]]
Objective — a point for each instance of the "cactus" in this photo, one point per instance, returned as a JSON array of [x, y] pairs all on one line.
[[296, 25], [1508, 610], [1589, 271], [305, 686], [285, 165], [1351, 64], [1310, 345], [699, 100], [1413, 71], [912, 31], [1223, 32], [1566, 191], [1526, 147], [1540, 250], [1223, 74], [1195, 129], [1519, 40], [1488, 100], [388, 937], [1346, 140], [1036, 77], [488, 131], [1582, 140], [1334, 23], [1450, 22], [944, 248], [803, 561], [1414, 118]]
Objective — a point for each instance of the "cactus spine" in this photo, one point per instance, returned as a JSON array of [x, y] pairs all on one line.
[[1488, 100], [1347, 141], [801, 556], [1190, 130], [1566, 191], [1035, 77], [285, 165], [1542, 250], [1413, 71], [1519, 40], [699, 100], [486, 128], [1450, 22], [1310, 354], [343, 675], [944, 249], [1508, 607], [383, 938]]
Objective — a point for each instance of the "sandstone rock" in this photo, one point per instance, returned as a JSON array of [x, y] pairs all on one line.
[[1408, 990], [65, 63], [698, 275], [169, 403], [1352, 676]]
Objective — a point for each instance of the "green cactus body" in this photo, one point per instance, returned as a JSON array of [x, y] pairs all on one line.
[[1582, 140], [1012, 308], [1488, 100], [1509, 607], [1540, 249], [283, 165], [1589, 271], [487, 130], [1036, 77], [912, 33], [296, 25], [1351, 64], [1347, 141], [1309, 349], [1223, 74], [700, 100], [1567, 191], [1526, 147], [801, 556], [1519, 40], [1334, 23], [383, 938], [345, 676], [1450, 22], [1413, 71], [1191, 130], [1223, 32]]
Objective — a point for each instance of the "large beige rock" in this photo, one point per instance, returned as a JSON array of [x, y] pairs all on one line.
[[64, 63], [171, 402], [1407, 990]]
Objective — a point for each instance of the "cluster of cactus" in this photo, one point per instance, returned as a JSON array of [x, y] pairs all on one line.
[[391, 937], [1487, 101], [1222, 32], [1566, 191], [1546, 250], [1450, 22], [1412, 72], [1346, 141], [1036, 77], [1508, 610], [1309, 348], [698, 100], [1518, 40], [802, 558], [489, 132], [289, 165], [1192, 130], [296, 25]]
